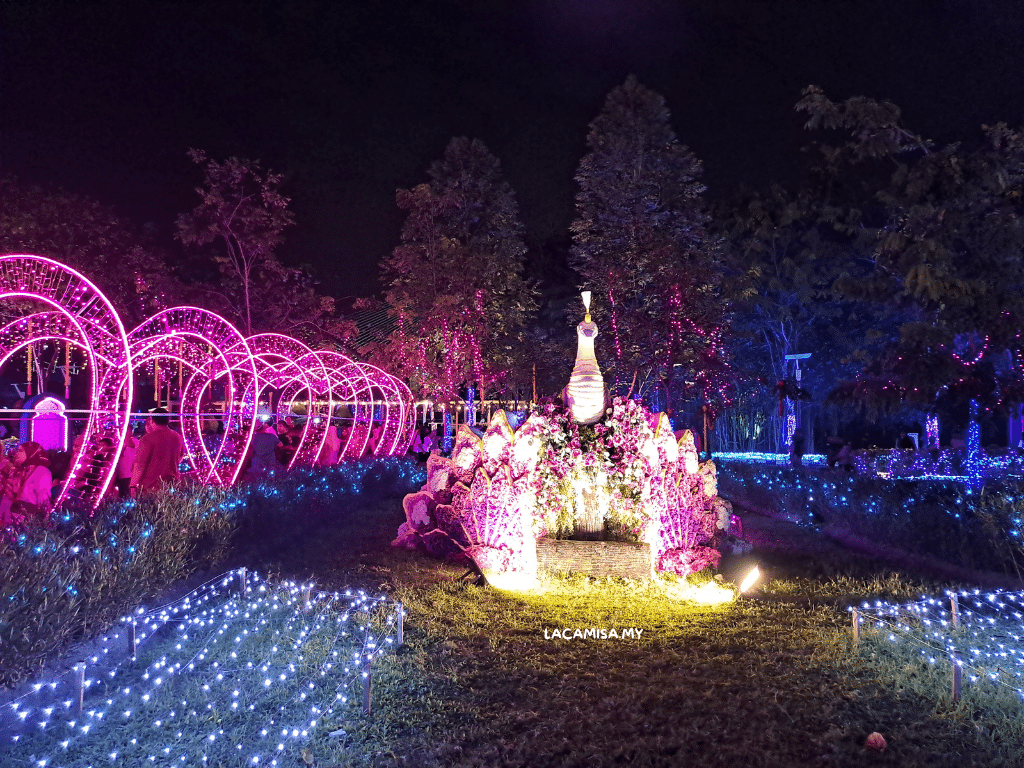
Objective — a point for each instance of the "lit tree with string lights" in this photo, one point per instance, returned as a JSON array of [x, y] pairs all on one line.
[[454, 284], [947, 233], [641, 245]]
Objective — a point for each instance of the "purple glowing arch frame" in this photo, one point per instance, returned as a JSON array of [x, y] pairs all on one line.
[[215, 354], [83, 316], [290, 367]]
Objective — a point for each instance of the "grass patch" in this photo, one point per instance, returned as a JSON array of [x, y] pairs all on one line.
[[766, 681]]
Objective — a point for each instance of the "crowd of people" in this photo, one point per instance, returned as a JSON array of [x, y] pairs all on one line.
[[31, 477]]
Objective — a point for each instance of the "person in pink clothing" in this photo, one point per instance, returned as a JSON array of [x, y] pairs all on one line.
[[332, 446], [27, 484], [158, 454]]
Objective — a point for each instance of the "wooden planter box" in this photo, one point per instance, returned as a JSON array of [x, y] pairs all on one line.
[[595, 558]]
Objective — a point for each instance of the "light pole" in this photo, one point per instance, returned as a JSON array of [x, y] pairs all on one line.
[[796, 407]]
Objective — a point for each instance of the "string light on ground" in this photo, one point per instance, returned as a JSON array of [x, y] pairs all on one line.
[[220, 675]]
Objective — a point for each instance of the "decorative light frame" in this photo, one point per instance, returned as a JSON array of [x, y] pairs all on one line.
[[93, 325], [214, 353]]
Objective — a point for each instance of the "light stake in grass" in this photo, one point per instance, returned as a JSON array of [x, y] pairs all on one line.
[[131, 639], [856, 627], [957, 677], [401, 624], [366, 686], [79, 687], [750, 579], [954, 609]]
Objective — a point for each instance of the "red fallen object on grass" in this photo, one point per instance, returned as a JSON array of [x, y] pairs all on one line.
[[876, 741]]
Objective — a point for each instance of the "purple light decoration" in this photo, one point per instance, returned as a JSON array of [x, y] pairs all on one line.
[[213, 350], [93, 325], [210, 352], [350, 387], [394, 402], [50, 418], [931, 426], [288, 365]]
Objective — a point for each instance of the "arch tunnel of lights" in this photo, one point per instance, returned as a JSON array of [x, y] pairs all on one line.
[[217, 374]]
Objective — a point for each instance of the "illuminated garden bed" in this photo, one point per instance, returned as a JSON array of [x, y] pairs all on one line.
[[948, 523], [222, 677], [964, 645]]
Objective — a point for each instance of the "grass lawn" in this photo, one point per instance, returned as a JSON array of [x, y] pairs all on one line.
[[770, 680]]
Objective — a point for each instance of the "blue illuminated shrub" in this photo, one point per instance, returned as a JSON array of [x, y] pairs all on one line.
[[75, 574], [940, 519]]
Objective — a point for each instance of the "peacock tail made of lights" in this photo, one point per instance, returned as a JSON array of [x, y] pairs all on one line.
[[198, 350]]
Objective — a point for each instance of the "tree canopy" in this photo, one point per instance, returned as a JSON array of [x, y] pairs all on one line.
[[641, 245], [455, 283], [946, 239]]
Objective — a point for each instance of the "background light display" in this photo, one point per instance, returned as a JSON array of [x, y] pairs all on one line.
[[205, 361]]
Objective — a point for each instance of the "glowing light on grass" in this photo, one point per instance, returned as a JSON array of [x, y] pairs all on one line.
[[979, 632], [277, 659], [750, 579], [709, 593], [513, 581]]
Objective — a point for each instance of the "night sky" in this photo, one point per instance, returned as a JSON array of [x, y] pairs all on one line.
[[354, 100]]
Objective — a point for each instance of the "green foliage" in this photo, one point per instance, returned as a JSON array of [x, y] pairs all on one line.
[[58, 585], [784, 295], [944, 231], [641, 245], [455, 283], [90, 238]]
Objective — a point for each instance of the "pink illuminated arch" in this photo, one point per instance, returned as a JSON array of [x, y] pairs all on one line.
[[215, 354], [77, 312], [350, 388], [290, 367], [50, 302], [393, 404]]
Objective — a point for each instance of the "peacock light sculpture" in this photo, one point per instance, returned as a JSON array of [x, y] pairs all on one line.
[[586, 394]]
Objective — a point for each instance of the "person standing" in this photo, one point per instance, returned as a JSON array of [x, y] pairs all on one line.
[[332, 445], [263, 450], [125, 462], [158, 454], [27, 484]]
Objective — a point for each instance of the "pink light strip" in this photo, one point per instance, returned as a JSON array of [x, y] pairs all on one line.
[[103, 339]]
